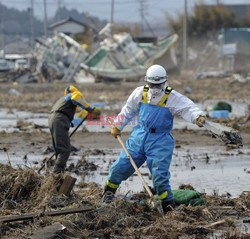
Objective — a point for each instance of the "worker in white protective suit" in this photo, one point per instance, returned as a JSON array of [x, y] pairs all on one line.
[[151, 140]]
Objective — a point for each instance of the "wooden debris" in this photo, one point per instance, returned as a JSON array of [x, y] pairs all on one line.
[[33, 216], [214, 224], [67, 185]]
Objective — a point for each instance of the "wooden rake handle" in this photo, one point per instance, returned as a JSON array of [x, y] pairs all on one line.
[[135, 167]]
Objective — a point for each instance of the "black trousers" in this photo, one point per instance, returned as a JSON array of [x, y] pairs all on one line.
[[59, 125]]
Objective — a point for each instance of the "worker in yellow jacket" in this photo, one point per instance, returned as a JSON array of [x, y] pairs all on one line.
[[62, 117]]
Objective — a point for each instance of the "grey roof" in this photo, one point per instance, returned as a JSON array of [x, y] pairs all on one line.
[[69, 19]]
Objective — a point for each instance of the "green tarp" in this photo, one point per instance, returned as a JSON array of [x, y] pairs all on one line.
[[187, 197], [222, 106]]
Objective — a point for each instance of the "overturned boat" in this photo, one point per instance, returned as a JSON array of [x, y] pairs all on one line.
[[119, 57]]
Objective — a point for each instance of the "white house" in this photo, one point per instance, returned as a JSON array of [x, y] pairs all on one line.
[[68, 26]]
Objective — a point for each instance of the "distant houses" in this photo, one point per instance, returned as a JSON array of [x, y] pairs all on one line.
[[70, 27]]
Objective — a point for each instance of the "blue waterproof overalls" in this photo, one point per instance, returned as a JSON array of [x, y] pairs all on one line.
[[150, 141]]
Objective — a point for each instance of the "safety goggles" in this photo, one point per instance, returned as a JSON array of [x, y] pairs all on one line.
[[155, 86], [155, 78]]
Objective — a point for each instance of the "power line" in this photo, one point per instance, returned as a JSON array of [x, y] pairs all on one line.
[[121, 5], [185, 25], [76, 2], [142, 10], [2, 29], [112, 12]]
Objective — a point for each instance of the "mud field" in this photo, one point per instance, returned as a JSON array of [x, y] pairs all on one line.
[[220, 173]]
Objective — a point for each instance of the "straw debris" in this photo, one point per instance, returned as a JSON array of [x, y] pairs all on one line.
[[24, 191]]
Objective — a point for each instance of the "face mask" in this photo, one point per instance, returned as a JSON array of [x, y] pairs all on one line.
[[156, 89]]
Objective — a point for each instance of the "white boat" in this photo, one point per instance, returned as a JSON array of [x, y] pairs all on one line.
[[119, 57]]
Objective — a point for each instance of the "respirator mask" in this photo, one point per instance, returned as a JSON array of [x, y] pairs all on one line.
[[156, 89]]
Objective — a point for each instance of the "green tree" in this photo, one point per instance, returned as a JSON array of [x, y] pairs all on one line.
[[205, 19]]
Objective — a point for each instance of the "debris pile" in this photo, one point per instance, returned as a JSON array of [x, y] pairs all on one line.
[[26, 192], [57, 57]]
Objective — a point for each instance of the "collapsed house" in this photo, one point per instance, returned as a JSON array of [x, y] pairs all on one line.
[[58, 56]]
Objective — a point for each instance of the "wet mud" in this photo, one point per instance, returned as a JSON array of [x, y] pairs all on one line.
[[220, 173]]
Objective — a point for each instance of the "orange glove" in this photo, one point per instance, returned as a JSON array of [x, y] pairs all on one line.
[[115, 131], [201, 120]]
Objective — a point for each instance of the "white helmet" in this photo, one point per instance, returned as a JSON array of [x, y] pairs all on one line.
[[156, 74]]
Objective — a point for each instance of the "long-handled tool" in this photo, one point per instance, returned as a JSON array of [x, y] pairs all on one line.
[[137, 171], [47, 160], [226, 134]]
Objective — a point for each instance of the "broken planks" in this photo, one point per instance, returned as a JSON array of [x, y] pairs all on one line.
[[33, 216]]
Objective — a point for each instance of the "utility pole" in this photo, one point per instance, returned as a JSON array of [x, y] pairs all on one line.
[[2, 31], [59, 3], [45, 19], [185, 31], [142, 15], [112, 17], [112, 12], [32, 22], [58, 8]]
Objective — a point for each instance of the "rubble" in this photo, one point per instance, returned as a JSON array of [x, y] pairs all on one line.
[[25, 191], [211, 74]]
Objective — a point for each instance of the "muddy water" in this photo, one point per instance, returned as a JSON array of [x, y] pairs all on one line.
[[209, 171], [219, 174], [10, 118]]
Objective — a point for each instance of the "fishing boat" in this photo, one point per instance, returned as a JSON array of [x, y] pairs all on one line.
[[119, 57]]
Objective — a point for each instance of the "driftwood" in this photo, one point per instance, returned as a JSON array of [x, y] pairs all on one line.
[[48, 232], [216, 223], [33, 216]]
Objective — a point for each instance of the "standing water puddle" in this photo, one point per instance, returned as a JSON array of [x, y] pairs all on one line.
[[222, 174], [212, 172], [9, 120]]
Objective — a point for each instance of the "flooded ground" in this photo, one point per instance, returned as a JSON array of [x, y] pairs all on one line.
[[13, 120], [199, 159], [211, 172], [208, 168]]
